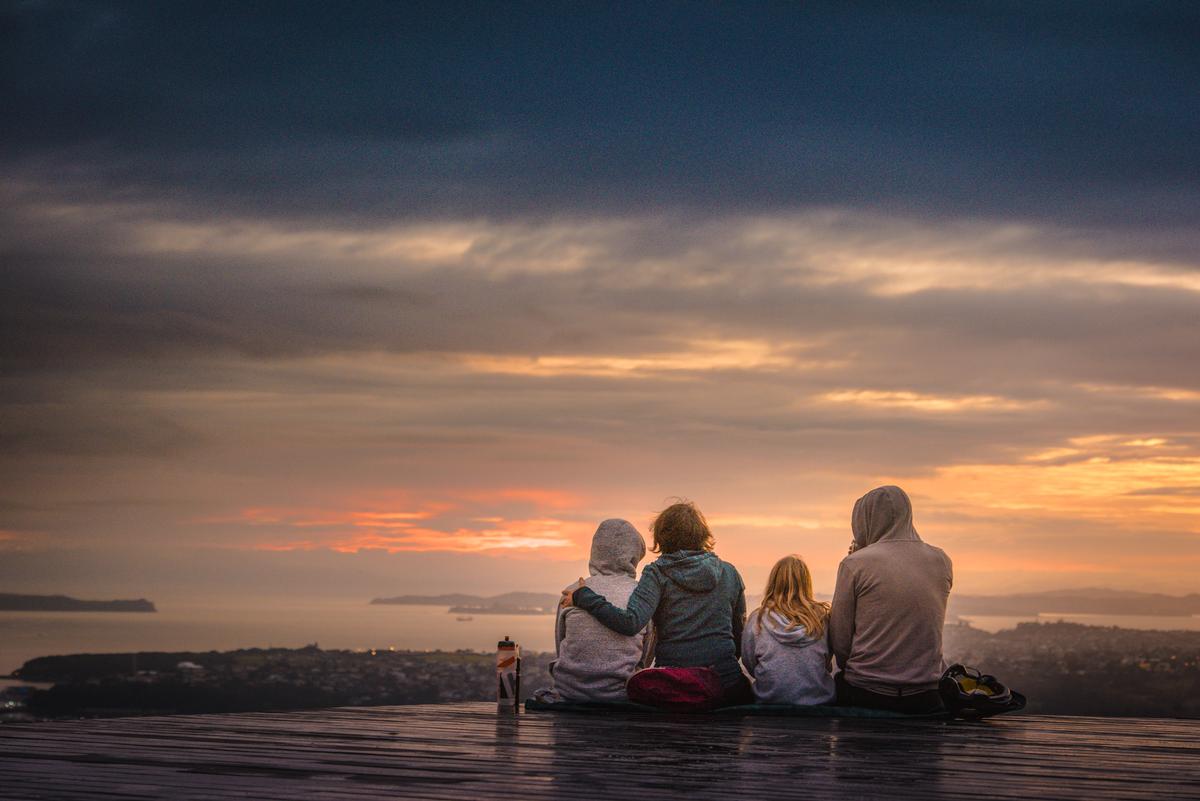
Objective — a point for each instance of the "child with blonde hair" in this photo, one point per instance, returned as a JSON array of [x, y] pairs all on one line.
[[784, 645]]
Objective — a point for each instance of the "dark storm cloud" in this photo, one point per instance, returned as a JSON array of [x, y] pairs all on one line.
[[1067, 111]]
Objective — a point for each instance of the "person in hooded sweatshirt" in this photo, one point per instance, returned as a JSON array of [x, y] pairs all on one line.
[[592, 662], [889, 608], [784, 645], [696, 601]]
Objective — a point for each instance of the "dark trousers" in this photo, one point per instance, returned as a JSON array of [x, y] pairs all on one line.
[[737, 694], [925, 702]]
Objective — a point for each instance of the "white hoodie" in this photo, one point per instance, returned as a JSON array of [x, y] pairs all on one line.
[[593, 663], [788, 666]]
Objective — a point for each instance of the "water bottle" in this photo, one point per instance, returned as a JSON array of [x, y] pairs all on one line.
[[508, 675]]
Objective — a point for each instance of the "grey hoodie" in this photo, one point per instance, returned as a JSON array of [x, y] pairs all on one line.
[[788, 666], [889, 605], [697, 603], [593, 662]]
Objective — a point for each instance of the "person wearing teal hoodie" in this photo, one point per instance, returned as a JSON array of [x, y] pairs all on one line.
[[696, 601]]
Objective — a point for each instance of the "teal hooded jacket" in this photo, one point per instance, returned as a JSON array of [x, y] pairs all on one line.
[[698, 605]]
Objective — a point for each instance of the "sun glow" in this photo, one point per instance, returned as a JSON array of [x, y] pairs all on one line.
[[1136, 491], [699, 355], [921, 402]]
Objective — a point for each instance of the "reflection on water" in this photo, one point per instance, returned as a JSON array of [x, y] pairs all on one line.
[[196, 627]]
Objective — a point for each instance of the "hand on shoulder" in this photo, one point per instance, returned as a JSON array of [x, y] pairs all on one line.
[[568, 594]]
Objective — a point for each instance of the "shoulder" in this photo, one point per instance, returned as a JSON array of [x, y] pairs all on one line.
[[938, 553], [730, 574], [853, 561]]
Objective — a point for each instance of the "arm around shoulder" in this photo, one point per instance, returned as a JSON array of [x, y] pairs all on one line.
[[637, 612]]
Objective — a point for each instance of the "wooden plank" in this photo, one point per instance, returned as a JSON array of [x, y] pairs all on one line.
[[462, 751]]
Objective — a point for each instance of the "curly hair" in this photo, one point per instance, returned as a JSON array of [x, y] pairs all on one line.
[[681, 527]]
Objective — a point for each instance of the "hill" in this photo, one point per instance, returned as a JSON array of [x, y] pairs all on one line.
[[1088, 601], [63, 603]]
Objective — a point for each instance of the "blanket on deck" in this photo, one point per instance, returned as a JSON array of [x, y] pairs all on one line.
[[783, 710]]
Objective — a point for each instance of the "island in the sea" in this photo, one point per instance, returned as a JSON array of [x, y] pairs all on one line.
[[63, 603], [510, 603]]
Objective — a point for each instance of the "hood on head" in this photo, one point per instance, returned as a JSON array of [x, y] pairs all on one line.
[[884, 513], [780, 629], [617, 547], [697, 571]]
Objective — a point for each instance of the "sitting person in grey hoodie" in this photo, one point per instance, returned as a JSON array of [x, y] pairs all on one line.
[[593, 662], [783, 645], [889, 609], [696, 601]]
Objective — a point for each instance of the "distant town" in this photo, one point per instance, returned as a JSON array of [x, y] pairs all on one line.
[[1063, 668], [101, 685]]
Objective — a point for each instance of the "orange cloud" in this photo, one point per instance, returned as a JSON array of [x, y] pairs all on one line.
[[538, 497], [473, 521], [924, 402], [503, 535], [15, 540], [697, 355], [1103, 477]]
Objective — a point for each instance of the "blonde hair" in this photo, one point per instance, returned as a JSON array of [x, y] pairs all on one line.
[[790, 593], [681, 527]]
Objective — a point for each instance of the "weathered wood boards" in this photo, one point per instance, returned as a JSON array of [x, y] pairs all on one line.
[[467, 751]]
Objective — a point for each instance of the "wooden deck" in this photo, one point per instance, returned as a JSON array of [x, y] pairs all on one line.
[[466, 751]]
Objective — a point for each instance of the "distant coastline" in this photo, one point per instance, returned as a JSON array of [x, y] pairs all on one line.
[[1087, 601], [1063, 668], [64, 603], [1078, 602], [502, 610], [510, 603]]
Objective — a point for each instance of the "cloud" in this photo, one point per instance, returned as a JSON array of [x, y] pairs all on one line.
[[892, 399], [385, 280], [455, 111], [400, 522]]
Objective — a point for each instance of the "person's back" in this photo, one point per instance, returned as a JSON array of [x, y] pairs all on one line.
[[694, 621], [593, 662], [784, 644], [889, 606], [696, 601]]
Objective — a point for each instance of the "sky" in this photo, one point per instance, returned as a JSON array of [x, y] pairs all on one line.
[[383, 298]]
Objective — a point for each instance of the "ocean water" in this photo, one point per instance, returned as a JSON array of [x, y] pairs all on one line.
[[209, 627], [339, 624]]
